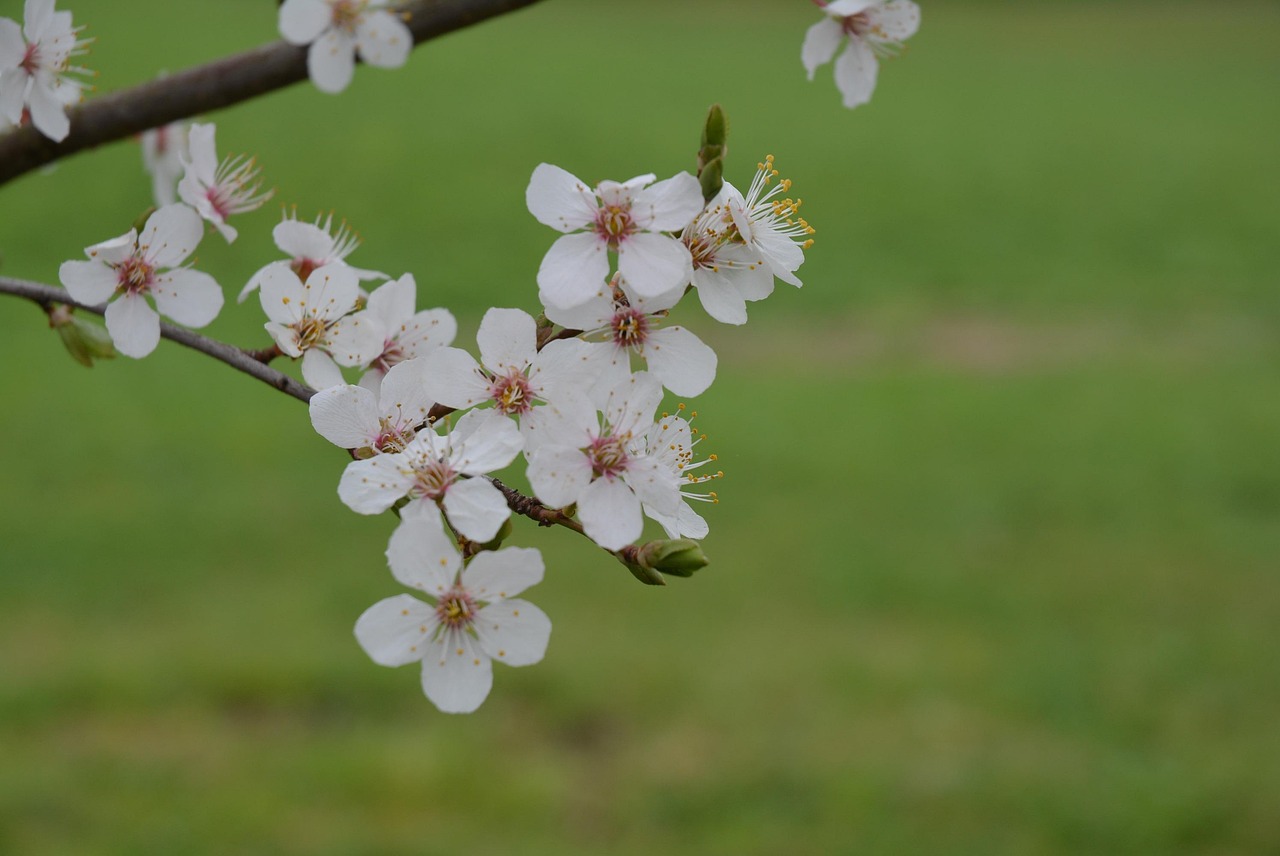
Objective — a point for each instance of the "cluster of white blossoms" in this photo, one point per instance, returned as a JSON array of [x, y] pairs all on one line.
[[572, 395], [870, 29]]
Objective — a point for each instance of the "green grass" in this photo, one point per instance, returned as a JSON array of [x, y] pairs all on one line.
[[995, 570]]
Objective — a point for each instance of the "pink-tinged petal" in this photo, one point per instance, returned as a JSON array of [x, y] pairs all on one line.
[[392, 302], [654, 484], [346, 416], [383, 39], [856, 70], [654, 264], [457, 676], [845, 8], [610, 513], [669, 205], [89, 283], [681, 360], [476, 509], [13, 93], [592, 314], [302, 21], [483, 441], [820, 44], [319, 370], [559, 199], [202, 149], [48, 113], [496, 575], [355, 340], [898, 20], [402, 395], [420, 554], [424, 331], [188, 296], [558, 474], [508, 340], [373, 486], [171, 234], [395, 631], [331, 61], [572, 270], [453, 377], [332, 291], [283, 296], [514, 632], [719, 297], [134, 326], [12, 45]]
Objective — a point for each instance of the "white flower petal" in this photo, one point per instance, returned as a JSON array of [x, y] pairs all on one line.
[[319, 370], [134, 326], [568, 420], [653, 264], [669, 205], [558, 474], [383, 39], [202, 149], [507, 339], [559, 199], [395, 631], [654, 483], [392, 302], [484, 441], [610, 513], [898, 20], [719, 297], [420, 554], [475, 508], [453, 378], [332, 291], [90, 283], [457, 677], [48, 113], [354, 340], [424, 331], [171, 234], [845, 8], [574, 267], [592, 314], [495, 575], [345, 415], [283, 296], [373, 486], [12, 45], [820, 43], [331, 61], [681, 360], [189, 297], [302, 21], [856, 70], [402, 395], [514, 632]]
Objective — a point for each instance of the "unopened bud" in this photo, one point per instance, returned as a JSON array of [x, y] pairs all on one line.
[[679, 557], [648, 576], [141, 222], [84, 340], [715, 136]]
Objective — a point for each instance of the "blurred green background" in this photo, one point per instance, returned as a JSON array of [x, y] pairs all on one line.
[[996, 565]]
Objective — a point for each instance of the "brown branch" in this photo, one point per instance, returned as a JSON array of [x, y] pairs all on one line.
[[47, 296], [215, 85]]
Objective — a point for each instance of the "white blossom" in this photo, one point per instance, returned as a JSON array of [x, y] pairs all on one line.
[[630, 323], [740, 243], [604, 467], [873, 30], [406, 334], [317, 320], [309, 246], [374, 422], [545, 391], [163, 151], [36, 71], [473, 616], [127, 269], [216, 190], [337, 30], [671, 440], [628, 218], [441, 469]]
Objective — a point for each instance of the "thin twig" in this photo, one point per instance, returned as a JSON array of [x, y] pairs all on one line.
[[215, 85]]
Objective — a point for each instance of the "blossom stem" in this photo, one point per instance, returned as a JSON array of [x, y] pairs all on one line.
[[215, 85], [249, 362]]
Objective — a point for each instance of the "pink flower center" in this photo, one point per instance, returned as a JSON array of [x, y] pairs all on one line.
[[311, 332], [608, 456], [220, 198], [433, 479], [613, 223], [512, 394], [456, 609], [857, 25], [630, 328], [346, 13], [392, 436], [134, 276], [392, 354], [304, 267], [30, 59]]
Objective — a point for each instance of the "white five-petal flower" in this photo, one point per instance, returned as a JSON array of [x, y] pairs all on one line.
[[369, 422], [546, 391], [441, 469], [309, 246], [873, 29], [35, 69], [628, 218], [740, 243], [473, 618], [605, 468], [407, 334], [630, 323], [317, 320], [336, 30], [163, 151], [218, 191], [133, 266], [671, 441]]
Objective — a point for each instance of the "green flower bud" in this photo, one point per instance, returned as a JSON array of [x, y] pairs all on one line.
[[679, 557], [84, 340]]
